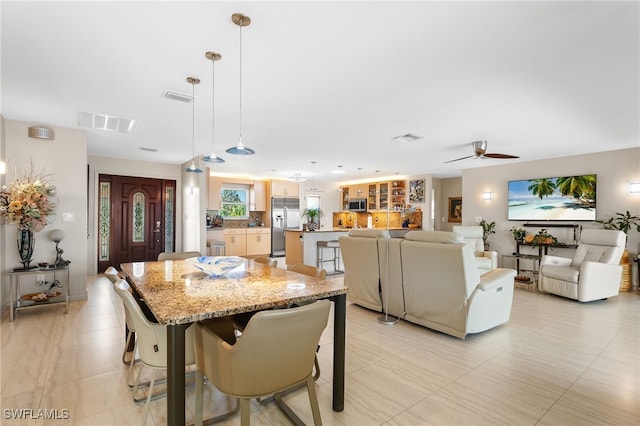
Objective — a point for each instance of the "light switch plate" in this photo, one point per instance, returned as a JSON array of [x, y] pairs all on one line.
[[68, 217]]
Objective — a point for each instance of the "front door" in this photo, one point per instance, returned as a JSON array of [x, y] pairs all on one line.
[[136, 219]]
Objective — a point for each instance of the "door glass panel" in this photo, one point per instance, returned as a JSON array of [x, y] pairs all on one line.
[[168, 220], [138, 217], [104, 220]]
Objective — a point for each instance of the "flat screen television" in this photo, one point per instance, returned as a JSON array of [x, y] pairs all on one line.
[[568, 198]]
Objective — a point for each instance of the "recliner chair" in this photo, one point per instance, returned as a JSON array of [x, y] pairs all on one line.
[[594, 272], [485, 259]]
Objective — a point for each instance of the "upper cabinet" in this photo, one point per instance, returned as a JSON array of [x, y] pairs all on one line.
[[284, 188], [358, 191], [398, 194], [258, 196], [215, 193]]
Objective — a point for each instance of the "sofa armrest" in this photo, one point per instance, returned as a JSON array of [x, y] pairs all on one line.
[[496, 278], [554, 260], [493, 255], [598, 280]]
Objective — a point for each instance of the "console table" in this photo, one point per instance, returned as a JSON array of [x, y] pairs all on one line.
[[17, 303]]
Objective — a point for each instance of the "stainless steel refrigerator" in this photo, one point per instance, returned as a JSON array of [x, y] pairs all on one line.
[[285, 214]]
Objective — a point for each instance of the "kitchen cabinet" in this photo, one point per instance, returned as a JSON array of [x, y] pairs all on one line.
[[358, 191], [377, 196], [214, 201], [284, 188], [398, 194], [258, 241], [235, 242], [294, 252], [344, 197], [258, 196]]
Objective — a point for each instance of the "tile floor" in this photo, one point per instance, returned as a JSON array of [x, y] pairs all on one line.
[[557, 362]]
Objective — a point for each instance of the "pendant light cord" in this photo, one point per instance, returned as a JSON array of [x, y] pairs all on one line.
[[193, 121], [240, 83], [213, 104]]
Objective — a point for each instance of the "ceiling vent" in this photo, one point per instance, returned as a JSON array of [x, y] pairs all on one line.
[[41, 133], [111, 123], [142, 148], [177, 96], [409, 137]]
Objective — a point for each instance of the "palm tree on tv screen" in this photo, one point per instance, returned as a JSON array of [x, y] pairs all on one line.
[[542, 187], [582, 188]]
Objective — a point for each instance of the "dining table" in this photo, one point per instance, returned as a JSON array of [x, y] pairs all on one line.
[[179, 293]]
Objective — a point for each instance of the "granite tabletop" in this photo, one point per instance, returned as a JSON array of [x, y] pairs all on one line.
[[179, 293]]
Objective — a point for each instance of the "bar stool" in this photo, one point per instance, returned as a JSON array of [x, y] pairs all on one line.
[[216, 248], [332, 244]]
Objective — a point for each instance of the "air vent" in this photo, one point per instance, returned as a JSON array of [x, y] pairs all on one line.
[[42, 133], [177, 96], [409, 137], [142, 148], [111, 123]]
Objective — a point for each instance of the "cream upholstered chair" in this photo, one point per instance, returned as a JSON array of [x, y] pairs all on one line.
[[361, 269], [309, 270], [152, 343], [179, 255], [112, 274], [266, 261], [594, 272], [485, 259], [275, 353]]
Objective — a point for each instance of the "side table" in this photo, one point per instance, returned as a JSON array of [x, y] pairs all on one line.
[[16, 302]]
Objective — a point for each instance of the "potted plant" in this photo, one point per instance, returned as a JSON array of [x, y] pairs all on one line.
[[518, 233], [623, 222], [312, 214], [488, 228], [543, 237]]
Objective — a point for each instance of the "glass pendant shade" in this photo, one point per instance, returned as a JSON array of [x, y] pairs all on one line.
[[213, 158], [242, 21], [193, 168]]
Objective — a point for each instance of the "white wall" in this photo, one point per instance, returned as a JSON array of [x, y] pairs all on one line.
[[615, 169], [115, 166], [65, 159]]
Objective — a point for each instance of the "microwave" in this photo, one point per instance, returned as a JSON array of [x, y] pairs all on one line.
[[358, 205]]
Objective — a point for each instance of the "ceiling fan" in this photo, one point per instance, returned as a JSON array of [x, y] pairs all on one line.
[[480, 150]]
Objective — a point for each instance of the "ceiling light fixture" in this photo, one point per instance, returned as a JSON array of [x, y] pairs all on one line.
[[339, 172], [359, 191], [242, 21], [409, 137], [297, 177], [177, 96], [313, 186], [213, 158], [193, 168]]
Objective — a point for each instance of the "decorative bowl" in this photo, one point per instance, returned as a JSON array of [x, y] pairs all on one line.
[[216, 265]]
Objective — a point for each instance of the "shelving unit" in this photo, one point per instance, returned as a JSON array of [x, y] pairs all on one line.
[[17, 303], [398, 195]]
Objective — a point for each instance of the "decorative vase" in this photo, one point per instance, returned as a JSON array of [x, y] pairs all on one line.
[[26, 242], [312, 226]]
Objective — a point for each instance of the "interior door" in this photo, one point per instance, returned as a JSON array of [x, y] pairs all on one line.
[[136, 217]]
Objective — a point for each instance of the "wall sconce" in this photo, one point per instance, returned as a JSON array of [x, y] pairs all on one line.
[[486, 196], [634, 187]]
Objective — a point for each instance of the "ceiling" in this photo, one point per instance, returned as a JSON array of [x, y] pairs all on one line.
[[332, 82]]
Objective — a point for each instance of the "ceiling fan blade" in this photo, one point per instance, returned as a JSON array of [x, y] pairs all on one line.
[[458, 159], [500, 156]]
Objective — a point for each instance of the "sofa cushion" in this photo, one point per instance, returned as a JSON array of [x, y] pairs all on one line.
[[563, 273], [369, 233], [434, 236]]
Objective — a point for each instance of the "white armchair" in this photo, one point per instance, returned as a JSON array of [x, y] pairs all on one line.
[[485, 259], [593, 273]]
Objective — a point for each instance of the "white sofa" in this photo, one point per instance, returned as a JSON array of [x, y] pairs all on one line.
[[485, 259], [594, 272], [429, 278]]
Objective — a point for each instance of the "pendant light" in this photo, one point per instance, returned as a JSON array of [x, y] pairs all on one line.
[[242, 21], [193, 168], [313, 178], [213, 158]]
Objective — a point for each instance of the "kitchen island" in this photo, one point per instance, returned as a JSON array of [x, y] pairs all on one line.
[[302, 246]]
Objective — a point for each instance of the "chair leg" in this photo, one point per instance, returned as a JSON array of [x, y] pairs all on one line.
[[245, 411], [148, 403], [313, 399], [316, 375], [133, 361], [126, 346], [199, 395]]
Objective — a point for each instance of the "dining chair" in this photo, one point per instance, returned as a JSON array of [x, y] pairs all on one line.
[[309, 270], [152, 344], [266, 261], [112, 274], [286, 341], [178, 255]]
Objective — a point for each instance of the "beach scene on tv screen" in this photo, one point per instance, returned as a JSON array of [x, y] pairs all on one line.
[[559, 198]]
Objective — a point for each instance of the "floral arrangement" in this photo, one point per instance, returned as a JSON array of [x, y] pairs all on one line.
[[26, 201]]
